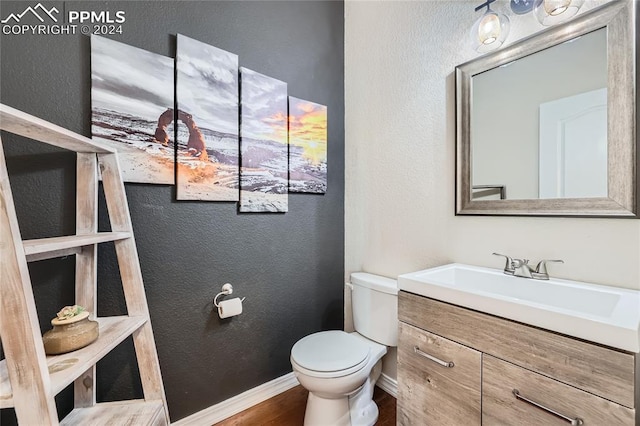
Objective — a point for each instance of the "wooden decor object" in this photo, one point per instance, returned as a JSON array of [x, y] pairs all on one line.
[[70, 334], [29, 380]]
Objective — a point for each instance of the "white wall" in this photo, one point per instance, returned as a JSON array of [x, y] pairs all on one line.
[[400, 162]]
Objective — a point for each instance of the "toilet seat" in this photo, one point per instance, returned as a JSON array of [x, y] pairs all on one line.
[[330, 354]]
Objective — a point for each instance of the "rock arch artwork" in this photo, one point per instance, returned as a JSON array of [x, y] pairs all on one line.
[[263, 143], [125, 107], [195, 144], [208, 156], [307, 146]]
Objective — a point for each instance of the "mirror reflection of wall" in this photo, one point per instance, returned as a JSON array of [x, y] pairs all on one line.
[[539, 123]]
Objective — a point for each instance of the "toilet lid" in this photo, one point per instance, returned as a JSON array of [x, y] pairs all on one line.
[[328, 351]]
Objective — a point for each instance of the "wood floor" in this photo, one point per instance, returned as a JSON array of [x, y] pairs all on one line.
[[287, 409]]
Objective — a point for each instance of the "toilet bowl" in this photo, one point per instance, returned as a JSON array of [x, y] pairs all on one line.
[[340, 369]]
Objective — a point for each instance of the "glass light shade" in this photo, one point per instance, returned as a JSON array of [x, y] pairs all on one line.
[[551, 12], [490, 31], [521, 7]]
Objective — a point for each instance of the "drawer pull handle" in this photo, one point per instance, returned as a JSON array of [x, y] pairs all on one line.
[[577, 421], [448, 364]]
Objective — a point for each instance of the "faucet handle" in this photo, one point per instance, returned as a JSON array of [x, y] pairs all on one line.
[[542, 265], [508, 267]]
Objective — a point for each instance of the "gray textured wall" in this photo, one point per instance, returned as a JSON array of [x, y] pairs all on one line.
[[289, 266]]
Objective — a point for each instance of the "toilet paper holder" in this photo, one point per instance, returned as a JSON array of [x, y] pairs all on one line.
[[226, 289]]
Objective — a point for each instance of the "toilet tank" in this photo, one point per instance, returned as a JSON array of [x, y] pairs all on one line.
[[374, 302]]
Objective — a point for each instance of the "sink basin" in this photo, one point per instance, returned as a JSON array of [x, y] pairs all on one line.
[[601, 314]]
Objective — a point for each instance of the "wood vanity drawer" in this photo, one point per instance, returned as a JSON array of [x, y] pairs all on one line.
[[430, 393], [501, 407], [596, 369]]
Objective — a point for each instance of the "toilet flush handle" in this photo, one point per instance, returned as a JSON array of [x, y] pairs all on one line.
[[349, 286]]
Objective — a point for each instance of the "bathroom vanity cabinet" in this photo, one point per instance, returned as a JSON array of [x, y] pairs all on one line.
[[459, 366]]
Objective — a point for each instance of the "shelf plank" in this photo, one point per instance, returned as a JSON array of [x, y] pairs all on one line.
[[136, 412], [84, 387], [47, 248], [131, 276], [23, 124], [65, 368], [19, 327]]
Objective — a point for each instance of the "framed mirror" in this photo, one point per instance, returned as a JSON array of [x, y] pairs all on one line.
[[546, 126]]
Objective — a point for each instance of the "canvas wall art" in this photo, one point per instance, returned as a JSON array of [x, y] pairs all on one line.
[[131, 89], [207, 142], [307, 146], [263, 143]]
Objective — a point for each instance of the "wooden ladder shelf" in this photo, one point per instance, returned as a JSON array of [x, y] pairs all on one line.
[[29, 380]]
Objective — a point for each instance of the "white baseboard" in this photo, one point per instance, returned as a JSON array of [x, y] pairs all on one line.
[[388, 385], [225, 409]]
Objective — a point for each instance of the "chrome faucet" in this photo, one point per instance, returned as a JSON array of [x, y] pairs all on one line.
[[508, 266], [540, 272], [521, 267]]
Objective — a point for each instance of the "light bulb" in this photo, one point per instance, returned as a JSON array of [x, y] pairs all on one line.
[[551, 12], [489, 28], [556, 7], [490, 31]]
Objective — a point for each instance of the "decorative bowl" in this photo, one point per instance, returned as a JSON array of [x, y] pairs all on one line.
[[70, 334]]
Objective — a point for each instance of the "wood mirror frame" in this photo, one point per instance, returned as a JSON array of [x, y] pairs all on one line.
[[623, 159]]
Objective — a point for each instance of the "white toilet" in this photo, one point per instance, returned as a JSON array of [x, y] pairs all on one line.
[[340, 369]]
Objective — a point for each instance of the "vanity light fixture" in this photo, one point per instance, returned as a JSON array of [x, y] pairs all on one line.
[[490, 30], [551, 12]]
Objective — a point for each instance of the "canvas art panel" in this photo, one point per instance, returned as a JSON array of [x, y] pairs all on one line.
[[263, 143], [207, 143], [131, 89], [307, 146]]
